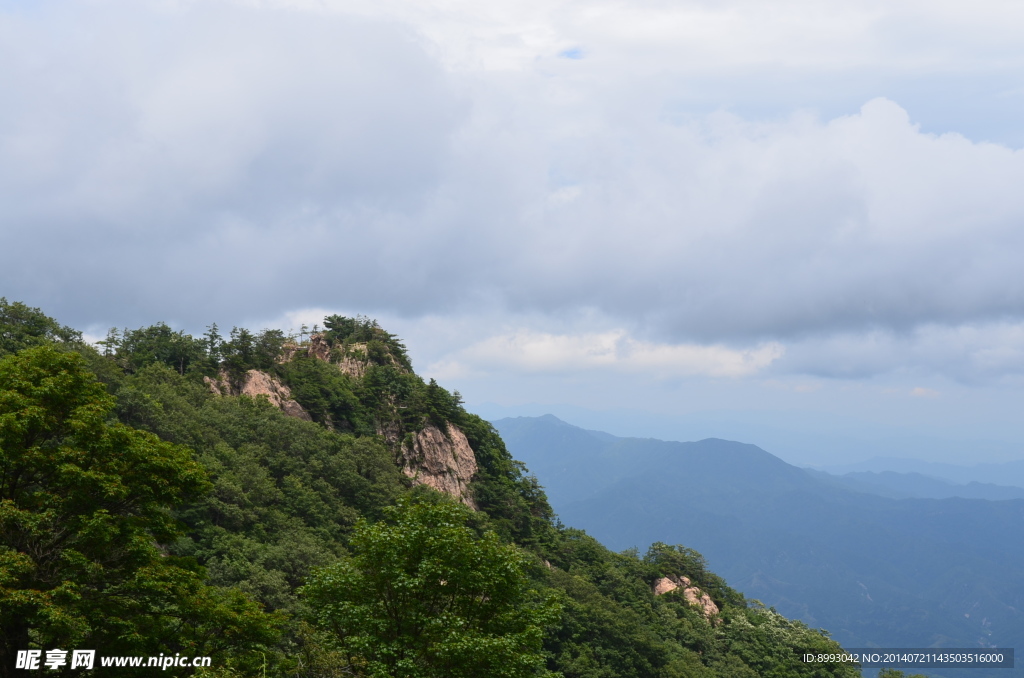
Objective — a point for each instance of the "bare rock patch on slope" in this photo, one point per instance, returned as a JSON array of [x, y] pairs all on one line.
[[255, 384], [442, 460]]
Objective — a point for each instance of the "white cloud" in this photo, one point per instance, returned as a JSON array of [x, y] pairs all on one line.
[[613, 351]]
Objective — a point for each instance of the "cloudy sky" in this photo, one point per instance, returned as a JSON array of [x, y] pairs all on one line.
[[795, 223]]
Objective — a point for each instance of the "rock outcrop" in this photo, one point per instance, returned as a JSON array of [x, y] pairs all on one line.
[[666, 585], [442, 460], [256, 383], [693, 595], [352, 362], [319, 348], [288, 351], [355, 361]]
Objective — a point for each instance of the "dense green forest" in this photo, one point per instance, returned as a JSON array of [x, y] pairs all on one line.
[[146, 510]]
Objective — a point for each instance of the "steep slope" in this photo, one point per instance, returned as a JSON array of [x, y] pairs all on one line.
[[430, 447], [442, 460]]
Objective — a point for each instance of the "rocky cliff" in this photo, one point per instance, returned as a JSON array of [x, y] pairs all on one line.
[[442, 460], [256, 384], [352, 359], [437, 457], [319, 348]]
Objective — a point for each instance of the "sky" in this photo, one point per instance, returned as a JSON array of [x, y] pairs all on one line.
[[789, 222]]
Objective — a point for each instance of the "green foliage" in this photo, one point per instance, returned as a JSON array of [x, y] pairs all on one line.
[[247, 351], [327, 394], [386, 397], [22, 326], [391, 395], [599, 635], [514, 501], [257, 533], [382, 347], [772, 644], [442, 406], [84, 505], [614, 626], [285, 493], [135, 349], [426, 596]]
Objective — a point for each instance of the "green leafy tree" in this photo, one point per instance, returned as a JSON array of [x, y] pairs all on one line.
[[22, 326], [84, 507], [426, 596]]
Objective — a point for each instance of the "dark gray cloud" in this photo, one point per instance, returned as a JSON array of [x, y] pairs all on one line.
[[188, 163]]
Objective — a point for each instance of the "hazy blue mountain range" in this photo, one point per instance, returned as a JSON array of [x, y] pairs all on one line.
[[917, 485], [873, 570], [824, 440], [1005, 473]]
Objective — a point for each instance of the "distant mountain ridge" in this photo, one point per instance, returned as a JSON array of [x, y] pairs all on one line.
[[919, 486], [875, 571], [1002, 473]]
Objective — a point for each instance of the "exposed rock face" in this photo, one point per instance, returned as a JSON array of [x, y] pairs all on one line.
[[693, 595], [319, 348], [442, 461], [217, 386], [257, 383], [697, 597], [353, 363], [664, 585], [287, 352]]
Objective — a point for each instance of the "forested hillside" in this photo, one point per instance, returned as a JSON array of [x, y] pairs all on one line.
[[309, 506]]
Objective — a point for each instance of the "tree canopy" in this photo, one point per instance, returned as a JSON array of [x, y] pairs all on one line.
[[22, 326], [85, 505], [423, 595]]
